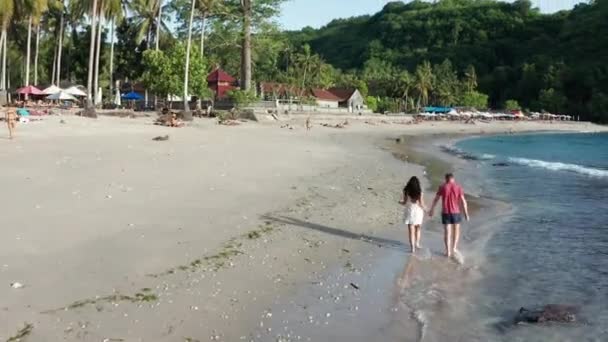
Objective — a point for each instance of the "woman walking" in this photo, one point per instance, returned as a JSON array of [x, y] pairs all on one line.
[[414, 210]]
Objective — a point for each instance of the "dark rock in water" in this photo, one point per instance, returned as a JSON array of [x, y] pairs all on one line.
[[549, 313], [500, 164]]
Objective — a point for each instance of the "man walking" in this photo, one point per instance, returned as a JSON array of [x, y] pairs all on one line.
[[452, 197]]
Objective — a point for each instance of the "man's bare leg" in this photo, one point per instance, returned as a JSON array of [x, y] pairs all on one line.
[[447, 239], [456, 238], [412, 235], [418, 230]]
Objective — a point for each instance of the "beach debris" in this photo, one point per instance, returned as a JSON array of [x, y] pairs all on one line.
[[17, 285], [22, 333], [340, 125], [354, 286], [62, 122], [288, 126], [229, 122], [558, 313], [161, 138]]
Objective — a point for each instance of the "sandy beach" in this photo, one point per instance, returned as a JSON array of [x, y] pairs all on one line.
[[253, 232]]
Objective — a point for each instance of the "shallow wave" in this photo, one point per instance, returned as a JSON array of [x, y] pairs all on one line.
[[455, 151], [555, 166]]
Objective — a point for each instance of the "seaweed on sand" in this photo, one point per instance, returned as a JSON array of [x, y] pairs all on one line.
[[22, 333]]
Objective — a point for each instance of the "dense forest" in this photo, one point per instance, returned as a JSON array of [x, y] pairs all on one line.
[[554, 62], [473, 53]]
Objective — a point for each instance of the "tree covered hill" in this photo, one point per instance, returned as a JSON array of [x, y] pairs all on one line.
[[555, 62]]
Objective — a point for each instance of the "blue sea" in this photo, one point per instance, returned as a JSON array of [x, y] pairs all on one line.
[[553, 249]]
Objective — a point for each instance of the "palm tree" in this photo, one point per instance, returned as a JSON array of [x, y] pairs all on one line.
[[60, 44], [470, 78], [424, 82], [7, 10], [147, 15], [93, 18], [206, 9], [246, 10], [404, 83], [39, 7], [187, 114], [100, 19], [159, 21], [114, 11]]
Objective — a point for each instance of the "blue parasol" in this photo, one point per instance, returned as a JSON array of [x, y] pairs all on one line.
[[132, 96]]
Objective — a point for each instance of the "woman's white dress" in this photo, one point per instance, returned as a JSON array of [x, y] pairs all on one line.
[[413, 214]]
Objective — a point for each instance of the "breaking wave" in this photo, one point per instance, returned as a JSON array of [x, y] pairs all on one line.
[[555, 166]]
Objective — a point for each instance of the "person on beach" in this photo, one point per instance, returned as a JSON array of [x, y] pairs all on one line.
[[11, 121], [413, 201], [452, 197]]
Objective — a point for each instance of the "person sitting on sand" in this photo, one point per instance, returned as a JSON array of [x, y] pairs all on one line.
[[452, 197], [413, 201], [11, 120], [174, 122]]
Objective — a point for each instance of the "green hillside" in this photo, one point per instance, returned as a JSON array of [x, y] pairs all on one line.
[[555, 62]]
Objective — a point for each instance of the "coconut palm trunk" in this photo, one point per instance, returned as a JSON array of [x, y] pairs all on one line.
[[112, 23], [91, 57], [98, 52], [36, 53], [54, 72], [203, 27], [4, 57], [159, 22], [28, 53], [187, 114], [246, 46], [60, 49]]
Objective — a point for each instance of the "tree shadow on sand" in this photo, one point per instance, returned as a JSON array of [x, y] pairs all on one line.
[[380, 242]]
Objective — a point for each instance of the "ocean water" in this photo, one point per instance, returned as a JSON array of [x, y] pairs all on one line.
[[553, 248]]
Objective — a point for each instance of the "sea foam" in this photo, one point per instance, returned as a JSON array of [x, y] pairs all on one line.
[[556, 166]]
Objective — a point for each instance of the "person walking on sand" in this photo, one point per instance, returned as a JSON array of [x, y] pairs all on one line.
[[413, 200], [452, 197], [11, 120]]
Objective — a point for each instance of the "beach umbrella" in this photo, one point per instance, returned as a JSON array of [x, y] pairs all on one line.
[[53, 89], [75, 91], [132, 96], [29, 90], [62, 96]]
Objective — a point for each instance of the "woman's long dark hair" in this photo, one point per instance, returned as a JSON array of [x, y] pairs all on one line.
[[412, 189]]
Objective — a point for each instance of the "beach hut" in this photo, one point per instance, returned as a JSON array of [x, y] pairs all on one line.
[[75, 91], [220, 82], [62, 96], [29, 90], [53, 89]]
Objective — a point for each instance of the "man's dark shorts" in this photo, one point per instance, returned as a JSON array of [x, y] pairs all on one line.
[[451, 218]]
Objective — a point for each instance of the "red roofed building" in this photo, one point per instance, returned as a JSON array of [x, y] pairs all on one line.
[[220, 82], [325, 98]]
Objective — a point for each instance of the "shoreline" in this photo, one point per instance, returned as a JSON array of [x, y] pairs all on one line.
[[229, 265]]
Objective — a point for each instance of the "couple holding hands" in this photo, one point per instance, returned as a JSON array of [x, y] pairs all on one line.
[[452, 197]]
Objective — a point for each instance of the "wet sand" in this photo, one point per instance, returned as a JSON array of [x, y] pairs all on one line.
[[224, 233]]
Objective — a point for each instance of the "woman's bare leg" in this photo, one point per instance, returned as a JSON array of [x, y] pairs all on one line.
[[418, 233], [11, 128], [412, 235]]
